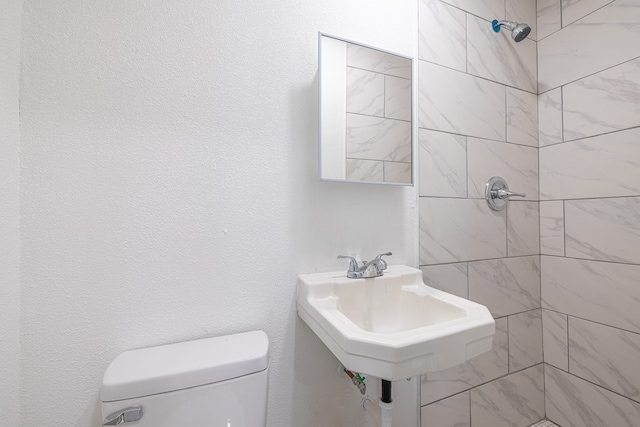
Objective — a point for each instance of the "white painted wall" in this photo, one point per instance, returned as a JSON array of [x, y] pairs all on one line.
[[9, 212], [170, 191]]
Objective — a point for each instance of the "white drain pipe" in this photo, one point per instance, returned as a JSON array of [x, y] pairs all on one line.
[[386, 410]]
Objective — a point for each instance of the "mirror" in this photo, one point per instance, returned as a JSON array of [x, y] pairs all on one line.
[[366, 132]]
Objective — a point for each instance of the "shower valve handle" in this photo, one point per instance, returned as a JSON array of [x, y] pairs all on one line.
[[505, 194]]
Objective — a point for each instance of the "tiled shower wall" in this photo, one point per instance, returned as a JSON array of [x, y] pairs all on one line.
[[589, 79], [478, 118]]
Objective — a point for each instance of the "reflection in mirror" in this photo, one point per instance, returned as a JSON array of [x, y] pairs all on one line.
[[365, 114]]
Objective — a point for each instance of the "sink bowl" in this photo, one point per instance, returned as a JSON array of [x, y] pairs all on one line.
[[393, 326]]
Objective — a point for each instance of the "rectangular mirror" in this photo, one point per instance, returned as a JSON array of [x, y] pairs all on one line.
[[366, 111]]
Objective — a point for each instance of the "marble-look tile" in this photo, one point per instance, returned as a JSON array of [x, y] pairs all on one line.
[[517, 164], [365, 92], [514, 401], [456, 102], [572, 10], [602, 103], [397, 172], [443, 164], [479, 370], [549, 17], [378, 61], [365, 170], [449, 231], [607, 37], [451, 412], [603, 229], [523, 228], [605, 356], [544, 423], [375, 138], [443, 34], [495, 56], [525, 340], [523, 11], [552, 228], [506, 286], [522, 117], [550, 117], [602, 292], [487, 9], [573, 402], [555, 339], [600, 166], [397, 98], [451, 278]]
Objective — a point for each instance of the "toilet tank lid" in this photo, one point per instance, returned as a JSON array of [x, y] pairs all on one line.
[[172, 367]]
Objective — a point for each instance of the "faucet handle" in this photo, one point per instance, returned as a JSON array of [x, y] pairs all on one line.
[[380, 263], [352, 272], [379, 257]]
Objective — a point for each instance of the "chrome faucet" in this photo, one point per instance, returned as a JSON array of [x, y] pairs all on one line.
[[373, 268]]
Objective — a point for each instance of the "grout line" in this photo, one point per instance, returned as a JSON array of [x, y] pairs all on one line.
[[568, 346], [480, 77], [561, 9], [531, 255], [590, 136], [590, 260], [478, 260], [378, 117], [564, 227], [627, 398], [508, 322], [382, 73], [474, 136], [562, 111], [582, 17], [544, 388], [466, 171], [534, 200], [575, 199], [592, 74], [506, 115], [466, 41], [589, 320], [483, 383]]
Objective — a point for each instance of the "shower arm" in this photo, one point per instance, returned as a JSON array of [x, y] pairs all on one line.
[[507, 24]]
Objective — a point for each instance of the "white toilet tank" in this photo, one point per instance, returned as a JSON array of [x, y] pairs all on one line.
[[214, 382]]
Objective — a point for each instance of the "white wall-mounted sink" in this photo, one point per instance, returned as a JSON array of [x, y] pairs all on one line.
[[393, 326]]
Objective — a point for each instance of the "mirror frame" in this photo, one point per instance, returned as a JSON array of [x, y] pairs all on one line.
[[413, 114]]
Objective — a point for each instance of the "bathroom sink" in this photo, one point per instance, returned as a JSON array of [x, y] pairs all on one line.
[[393, 326]]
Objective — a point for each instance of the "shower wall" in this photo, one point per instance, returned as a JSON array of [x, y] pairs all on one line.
[[9, 212], [589, 80], [478, 118]]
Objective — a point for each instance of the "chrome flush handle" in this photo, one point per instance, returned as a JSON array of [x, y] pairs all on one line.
[[124, 416]]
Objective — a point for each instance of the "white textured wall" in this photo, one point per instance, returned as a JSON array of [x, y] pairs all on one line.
[[170, 190], [9, 212]]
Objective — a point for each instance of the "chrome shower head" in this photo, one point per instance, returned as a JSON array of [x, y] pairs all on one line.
[[519, 32]]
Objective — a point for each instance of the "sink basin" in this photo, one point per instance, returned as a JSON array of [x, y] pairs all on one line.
[[393, 326]]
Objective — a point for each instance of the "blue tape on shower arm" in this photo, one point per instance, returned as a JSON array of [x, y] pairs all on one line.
[[496, 25]]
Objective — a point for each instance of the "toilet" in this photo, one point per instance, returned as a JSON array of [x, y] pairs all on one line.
[[214, 382]]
